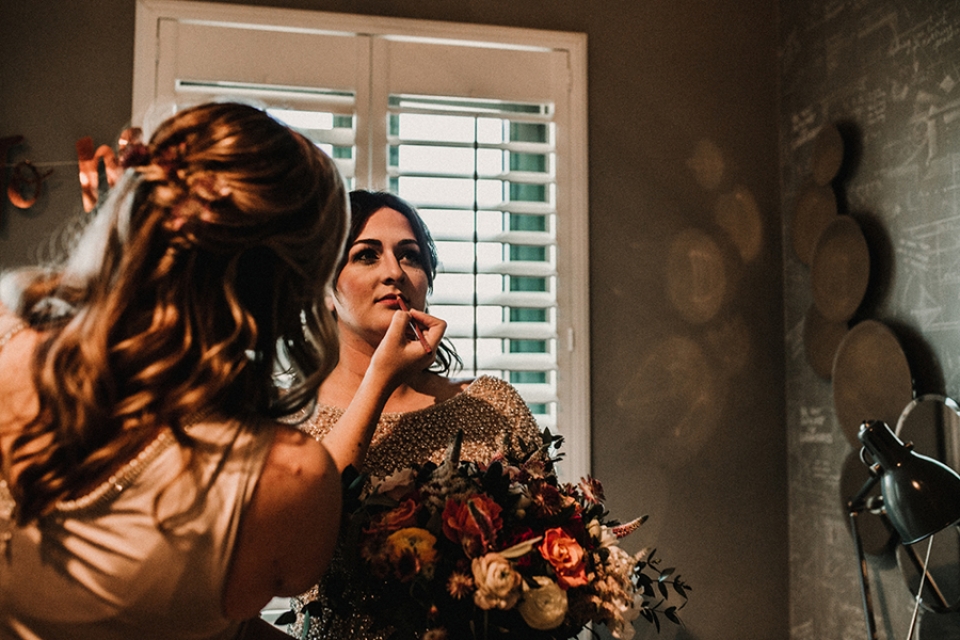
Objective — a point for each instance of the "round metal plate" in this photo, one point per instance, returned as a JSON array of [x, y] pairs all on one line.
[[816, 209], [840, 270], [821, 338], [827, 154], [871, 378]]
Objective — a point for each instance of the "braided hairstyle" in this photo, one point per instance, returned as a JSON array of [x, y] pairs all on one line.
[[209, 265]]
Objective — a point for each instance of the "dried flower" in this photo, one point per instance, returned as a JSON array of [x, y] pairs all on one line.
[[477, 552], [498, 584]]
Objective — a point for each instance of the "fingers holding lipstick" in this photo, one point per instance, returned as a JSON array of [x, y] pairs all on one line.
[[416, 327], [401, 353], [429, 329]]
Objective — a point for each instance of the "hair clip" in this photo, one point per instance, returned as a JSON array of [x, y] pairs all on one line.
[[131, 150]]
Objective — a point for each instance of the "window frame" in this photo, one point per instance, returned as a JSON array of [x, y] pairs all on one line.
[[573, 385]]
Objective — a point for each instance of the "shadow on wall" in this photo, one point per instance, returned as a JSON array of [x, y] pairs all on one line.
[[878, 369], [682, 381]]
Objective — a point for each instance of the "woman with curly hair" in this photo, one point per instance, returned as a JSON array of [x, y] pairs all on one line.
[[146, 488]]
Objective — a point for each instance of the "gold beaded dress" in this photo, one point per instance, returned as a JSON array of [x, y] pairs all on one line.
[[491, 415]]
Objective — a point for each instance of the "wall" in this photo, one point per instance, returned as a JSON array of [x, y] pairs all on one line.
[[685, 269], [887, 73]]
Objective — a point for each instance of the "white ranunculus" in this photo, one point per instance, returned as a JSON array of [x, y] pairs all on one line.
[[601, 533], [498, 584], [545, 607]]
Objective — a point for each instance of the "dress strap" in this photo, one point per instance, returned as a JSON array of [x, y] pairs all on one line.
[[19, 326], [7, 504]]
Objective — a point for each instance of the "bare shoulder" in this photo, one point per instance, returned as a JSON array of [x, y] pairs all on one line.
[[289, 528], [441, 388], [299, 485], [17, 395]]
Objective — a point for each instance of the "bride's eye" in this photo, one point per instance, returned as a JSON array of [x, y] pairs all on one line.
[[411, 257], [364, 256]]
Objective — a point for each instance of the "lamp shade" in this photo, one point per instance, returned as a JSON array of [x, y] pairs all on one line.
[[921, 495]]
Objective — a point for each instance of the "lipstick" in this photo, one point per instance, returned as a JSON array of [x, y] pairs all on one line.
[[415, 327]]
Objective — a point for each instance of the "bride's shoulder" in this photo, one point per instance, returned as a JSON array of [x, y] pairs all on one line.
[[492, 388]]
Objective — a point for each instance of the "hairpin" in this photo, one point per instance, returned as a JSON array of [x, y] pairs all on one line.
[[131, 150]]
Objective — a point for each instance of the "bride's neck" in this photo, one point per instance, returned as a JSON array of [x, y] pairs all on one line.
[[342, 383]]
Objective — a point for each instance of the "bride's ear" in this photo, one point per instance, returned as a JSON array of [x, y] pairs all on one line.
[[329, 303]]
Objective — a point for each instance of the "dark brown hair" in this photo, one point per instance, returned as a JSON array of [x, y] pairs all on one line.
[[364, 204]]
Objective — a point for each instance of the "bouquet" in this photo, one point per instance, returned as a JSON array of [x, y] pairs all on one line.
[[504, 550]]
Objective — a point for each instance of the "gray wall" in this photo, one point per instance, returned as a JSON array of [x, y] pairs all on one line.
[[685, 269], [887, 73]]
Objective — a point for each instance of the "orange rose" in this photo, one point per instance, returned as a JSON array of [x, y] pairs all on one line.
[[473, 523], [401, 516], [566, 556]]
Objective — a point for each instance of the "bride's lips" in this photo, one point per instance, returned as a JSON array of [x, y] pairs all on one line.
[[392, 301], [415, 326]]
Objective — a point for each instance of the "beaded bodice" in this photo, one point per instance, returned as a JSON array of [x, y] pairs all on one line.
[[493, 419]]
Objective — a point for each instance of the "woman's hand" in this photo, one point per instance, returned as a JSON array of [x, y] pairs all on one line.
[[401, 354], [399, 357]]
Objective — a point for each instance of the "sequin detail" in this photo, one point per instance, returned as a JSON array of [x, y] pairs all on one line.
[[7, 506], [123, 478], [14, 330], [493, 418]]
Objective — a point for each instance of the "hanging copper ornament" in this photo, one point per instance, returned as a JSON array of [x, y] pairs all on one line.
[[26, 182]]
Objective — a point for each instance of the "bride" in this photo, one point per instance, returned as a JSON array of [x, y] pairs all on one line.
[[380, 421]]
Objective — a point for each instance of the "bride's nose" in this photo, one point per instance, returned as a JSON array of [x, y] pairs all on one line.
[[392, 270]]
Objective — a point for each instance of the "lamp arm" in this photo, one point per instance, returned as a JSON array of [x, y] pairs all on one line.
[[921, 567], [864, 580], [855, 506], [859, 502]]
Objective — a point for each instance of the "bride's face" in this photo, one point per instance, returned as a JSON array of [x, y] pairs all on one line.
[[383, 263]]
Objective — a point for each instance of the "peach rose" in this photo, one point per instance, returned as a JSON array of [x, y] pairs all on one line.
[[566, 556], [498, 585], [402, 516]]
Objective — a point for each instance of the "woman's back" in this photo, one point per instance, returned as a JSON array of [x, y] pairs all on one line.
[[99, 566], [147, 493]]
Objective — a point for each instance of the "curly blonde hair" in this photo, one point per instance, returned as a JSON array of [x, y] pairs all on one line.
[[208, 265]]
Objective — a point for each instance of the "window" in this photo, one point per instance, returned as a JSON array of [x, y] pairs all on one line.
[[483, 129]]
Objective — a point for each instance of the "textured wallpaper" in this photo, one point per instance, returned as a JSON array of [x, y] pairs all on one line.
[[885, 75]]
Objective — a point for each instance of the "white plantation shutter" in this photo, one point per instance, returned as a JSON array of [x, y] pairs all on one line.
[[481, 173], [481, 128]]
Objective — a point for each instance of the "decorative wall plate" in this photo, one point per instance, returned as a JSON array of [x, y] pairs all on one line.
[[816, 209], [821, 338], [827, 154], [871, 378], [840, 270]]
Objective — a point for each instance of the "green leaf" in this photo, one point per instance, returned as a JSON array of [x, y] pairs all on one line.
[[666, 573], [671, 613]]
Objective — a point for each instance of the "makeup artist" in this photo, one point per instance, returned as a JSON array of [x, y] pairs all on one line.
[[389, 264]]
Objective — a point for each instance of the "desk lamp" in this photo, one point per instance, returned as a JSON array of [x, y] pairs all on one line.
[[919, 495]]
